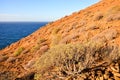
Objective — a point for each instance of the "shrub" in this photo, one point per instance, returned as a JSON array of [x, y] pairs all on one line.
[[113, 13], [55, 37], [113, 10], [55, 30], [72, 59], [18, 51], [113, 17], [68, 38], [35, 48], [38, 45], [98, 16], [41, 40], [92, 27]]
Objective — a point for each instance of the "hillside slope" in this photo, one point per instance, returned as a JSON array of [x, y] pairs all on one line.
[[83, 45]]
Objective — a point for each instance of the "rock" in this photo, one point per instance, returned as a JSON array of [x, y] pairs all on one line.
[[25, 51], [68, 78], [27, 76], [110, 34], [29, 65], [117, 78], [106, 75], [11, 59], [44, 48], [99, 73], [97, 78], [101, 78], [114, 69], [80, 78], [116, 74], [110, 79], [83, 76], [92, 27], [117, 67], [3, 58], [117, 17]]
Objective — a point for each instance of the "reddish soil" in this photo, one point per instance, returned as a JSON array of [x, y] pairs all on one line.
[[99, 22]]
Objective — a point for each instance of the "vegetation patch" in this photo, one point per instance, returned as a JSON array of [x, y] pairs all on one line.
[[41, 40], [18, 51], [55, 37], [35, 48], [38, 45], [98, 16], [72, 59], [114, 9]]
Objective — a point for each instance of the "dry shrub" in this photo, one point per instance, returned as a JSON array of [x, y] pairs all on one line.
[[113, 13], [40, 43], [113, 10], [113, 17], [68, 38], [35, 48], [72, 59], [92, 27], [98, 16], [55, 37], [41, 40], [108, 34], [55, 30]]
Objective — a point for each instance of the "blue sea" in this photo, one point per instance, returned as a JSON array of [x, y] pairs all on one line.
[[13, 31]]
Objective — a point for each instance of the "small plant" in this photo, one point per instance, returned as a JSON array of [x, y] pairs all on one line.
[[55, 30], [18, 51], [38, 45], [41, 40], [98, 16], [55, 37], [113, 17], [35, 48]]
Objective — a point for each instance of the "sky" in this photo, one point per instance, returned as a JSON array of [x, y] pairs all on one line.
[[40, 10]]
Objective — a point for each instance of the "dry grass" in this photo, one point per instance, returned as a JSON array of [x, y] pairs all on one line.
[[72, 59], [55, 37], [41, 40], [38, 45]]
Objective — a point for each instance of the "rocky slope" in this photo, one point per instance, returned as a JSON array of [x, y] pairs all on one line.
[[82, 46]]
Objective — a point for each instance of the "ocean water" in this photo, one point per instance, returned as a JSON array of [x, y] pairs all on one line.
[[13, 31]]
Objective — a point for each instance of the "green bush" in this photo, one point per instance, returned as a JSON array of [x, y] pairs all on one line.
[[18, 51]]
